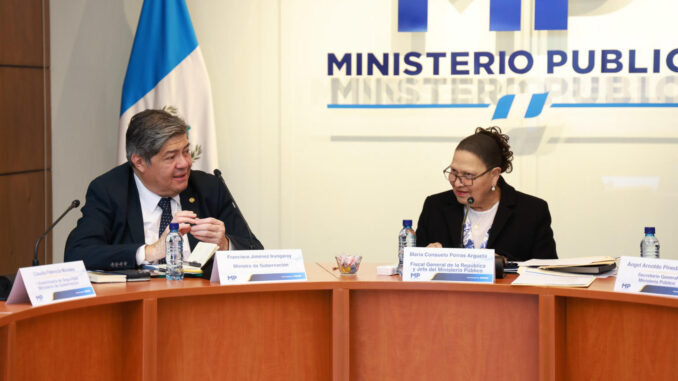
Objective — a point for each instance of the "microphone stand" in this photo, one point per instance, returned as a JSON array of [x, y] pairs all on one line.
[[217, 173], [73, 205]]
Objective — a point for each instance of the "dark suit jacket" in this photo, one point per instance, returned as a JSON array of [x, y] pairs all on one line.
[[521, 229], [111, 228]]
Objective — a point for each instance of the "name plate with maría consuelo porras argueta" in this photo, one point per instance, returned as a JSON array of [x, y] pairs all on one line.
[[448, 265]]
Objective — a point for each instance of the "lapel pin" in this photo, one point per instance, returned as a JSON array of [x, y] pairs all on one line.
[[191, 200]]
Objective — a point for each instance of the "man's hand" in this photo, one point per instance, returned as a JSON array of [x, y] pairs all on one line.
[[185, 218], [210, 230], [156, 250]]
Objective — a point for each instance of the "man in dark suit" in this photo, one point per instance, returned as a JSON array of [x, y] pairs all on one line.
[[127, 210]]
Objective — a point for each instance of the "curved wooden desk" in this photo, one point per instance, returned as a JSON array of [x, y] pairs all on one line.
[[361, 328]]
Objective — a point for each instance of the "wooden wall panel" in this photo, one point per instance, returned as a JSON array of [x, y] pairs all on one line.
[[47, 220], [25, 131], [259, 336], [47, 136], [401, 335], [22, 32], [79, 344], [22, 120], [22, 203], [602, 334]]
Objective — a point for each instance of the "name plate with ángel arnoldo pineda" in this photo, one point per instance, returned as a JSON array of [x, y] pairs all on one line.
[[647, 276]]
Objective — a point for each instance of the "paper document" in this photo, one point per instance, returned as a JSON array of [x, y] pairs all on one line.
[[163, 267], [579, 261], [535, 277], [202, 252]]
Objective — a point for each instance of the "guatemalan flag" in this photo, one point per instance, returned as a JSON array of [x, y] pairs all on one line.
[[166, 70]]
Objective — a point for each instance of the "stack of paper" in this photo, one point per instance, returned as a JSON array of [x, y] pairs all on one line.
[[581, 265], [118, 276], [159, 270], [201, 254], [536, 277], [106, 277]]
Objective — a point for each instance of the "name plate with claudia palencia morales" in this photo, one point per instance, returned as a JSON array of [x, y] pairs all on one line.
[[647, 276], [49, 284], [448, 265], [258, 266]]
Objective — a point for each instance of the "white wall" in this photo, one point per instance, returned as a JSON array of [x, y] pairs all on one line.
[[330, 181], [90, 46]]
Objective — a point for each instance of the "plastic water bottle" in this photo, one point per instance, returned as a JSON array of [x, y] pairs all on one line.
[[174, 253], [649, 246], [406, 238]]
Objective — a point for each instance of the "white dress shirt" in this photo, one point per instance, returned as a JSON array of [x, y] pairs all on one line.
[[151, 214]]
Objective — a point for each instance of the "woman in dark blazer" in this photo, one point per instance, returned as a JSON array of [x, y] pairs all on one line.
[[514, 224]]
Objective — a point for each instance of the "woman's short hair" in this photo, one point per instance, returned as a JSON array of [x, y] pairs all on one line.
[[491, 146]]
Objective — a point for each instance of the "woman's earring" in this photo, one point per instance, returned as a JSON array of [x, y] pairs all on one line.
[[494, 188]]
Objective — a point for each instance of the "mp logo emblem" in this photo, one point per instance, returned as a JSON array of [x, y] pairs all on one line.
[[504, 15]]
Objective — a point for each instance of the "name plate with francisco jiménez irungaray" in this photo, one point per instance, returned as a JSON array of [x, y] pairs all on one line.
[[258, 266]]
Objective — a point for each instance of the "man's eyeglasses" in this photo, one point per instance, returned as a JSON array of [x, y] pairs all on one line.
[[466, 179]]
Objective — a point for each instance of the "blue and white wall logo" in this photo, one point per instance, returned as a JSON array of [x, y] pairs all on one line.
[[544, 70]]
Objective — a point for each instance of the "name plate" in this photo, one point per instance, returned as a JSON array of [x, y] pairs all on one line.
[[51, 284], [448, 265], [647, 276], [258, 266]]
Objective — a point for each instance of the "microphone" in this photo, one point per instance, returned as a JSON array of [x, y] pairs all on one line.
[[73, 205], [217, 173], [469, 202]]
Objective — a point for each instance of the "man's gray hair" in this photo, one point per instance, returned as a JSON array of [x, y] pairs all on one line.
[[149, 130]]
